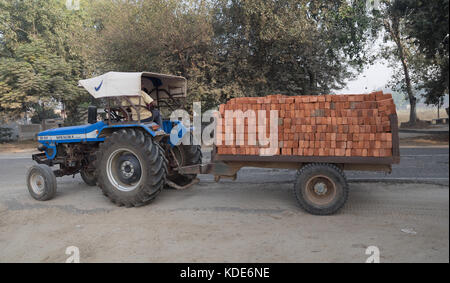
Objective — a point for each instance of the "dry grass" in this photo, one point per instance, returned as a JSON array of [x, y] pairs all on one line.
[[426, 140], [426, 114], [19, 146]]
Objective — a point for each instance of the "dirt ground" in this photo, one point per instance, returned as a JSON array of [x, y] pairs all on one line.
[[226, 223], [425, 140], [253, 219], [17, 147]]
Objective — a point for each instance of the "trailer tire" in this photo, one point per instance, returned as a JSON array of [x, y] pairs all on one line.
[[41, 182], [130, 168], [321, 189], [88, 177], [191, 155]]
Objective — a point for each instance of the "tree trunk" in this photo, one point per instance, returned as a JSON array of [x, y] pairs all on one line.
[[394, 30], [412, 99]]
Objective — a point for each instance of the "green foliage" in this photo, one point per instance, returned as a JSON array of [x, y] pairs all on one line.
[[225, 48], [235, 48], [426, 25], [38, 64], [290, 47], [400, 52], [5, 134], [41, 113]]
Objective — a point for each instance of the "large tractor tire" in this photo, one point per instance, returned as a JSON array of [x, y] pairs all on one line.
[[41, 182], [186, 155], [130, 168], [321, 189]]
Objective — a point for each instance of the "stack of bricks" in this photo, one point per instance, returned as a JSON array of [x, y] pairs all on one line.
[[324, 125]]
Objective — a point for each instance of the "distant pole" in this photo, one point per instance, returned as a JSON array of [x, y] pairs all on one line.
[[439, 106]]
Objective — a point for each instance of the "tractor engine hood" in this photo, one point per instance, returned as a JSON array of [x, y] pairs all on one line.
[[84, 132]]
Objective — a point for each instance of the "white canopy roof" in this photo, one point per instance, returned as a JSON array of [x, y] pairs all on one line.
[[116, 84]]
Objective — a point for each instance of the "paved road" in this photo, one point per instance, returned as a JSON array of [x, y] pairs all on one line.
[[417, 164], [255, 219]]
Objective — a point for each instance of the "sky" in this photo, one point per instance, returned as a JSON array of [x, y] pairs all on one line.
[[374, 77]]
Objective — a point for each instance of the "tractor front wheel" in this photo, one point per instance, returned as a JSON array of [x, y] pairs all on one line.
[[41, 182], [130, 168]]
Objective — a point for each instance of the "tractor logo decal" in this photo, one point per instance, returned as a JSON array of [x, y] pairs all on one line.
[[90, 135], [99, 86]]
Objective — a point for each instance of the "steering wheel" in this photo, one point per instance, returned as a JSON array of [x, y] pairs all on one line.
[[115, 115]]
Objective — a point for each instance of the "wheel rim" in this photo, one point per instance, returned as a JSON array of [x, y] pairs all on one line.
[[320, 190], [37, 183], [124, 170]]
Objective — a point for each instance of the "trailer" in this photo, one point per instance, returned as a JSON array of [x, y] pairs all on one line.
[[320, 186]]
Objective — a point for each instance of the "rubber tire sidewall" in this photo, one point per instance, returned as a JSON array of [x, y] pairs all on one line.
[[192, 156], [49, 178], [136, 142], [337, 177], [89, 179]]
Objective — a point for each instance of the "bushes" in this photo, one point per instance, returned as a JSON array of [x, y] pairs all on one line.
[[6, 134]]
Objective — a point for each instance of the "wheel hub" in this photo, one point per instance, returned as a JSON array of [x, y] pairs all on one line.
[[37, 183], [320, 189], [124, 169], [128, 169]]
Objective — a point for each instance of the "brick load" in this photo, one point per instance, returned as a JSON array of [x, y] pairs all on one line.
[[325, 125]]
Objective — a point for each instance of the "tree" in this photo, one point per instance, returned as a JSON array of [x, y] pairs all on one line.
[[32, 76], [41, 113], [426, 24], [289, 47], [393, 23], [235, 48], [38, 64], [160, 36], [225, 48]]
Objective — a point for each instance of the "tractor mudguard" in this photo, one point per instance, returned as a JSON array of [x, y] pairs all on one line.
[[147, 127]]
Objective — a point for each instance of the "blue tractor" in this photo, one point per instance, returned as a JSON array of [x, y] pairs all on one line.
[[127, 154]]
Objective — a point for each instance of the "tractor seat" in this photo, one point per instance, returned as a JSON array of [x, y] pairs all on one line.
[[155, 81]]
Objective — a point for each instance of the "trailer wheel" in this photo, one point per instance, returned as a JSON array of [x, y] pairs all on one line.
[[186, 155], [130, 168], [41, 182], [321, 189], [88, 177]]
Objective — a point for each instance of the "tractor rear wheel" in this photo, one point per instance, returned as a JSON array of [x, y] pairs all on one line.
[[185, 155], [130, 168]]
